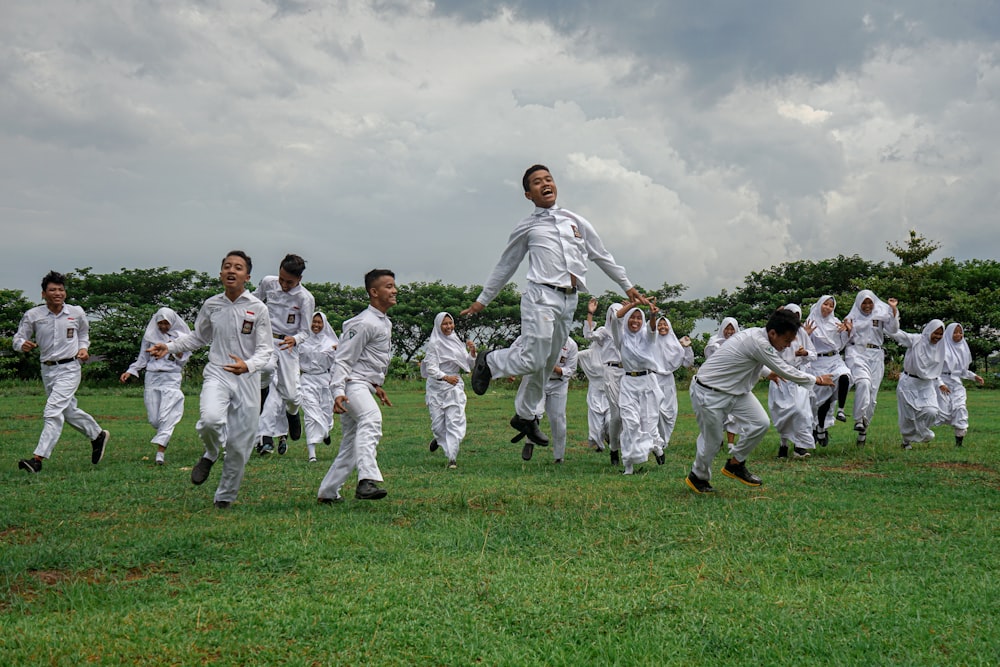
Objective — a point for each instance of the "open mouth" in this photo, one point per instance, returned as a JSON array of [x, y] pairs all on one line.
[[546, 191]]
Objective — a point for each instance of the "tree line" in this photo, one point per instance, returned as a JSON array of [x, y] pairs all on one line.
[[120, 304]]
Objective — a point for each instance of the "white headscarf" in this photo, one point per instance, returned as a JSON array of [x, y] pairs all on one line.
[[668, 353], [178, 327], [326, 339], [880, 310], [925, 359], [826, 329], [719, 337], [449, 348], [636, 346], [957, 355]]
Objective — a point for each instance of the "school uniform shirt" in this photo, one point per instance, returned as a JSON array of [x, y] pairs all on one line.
[[827, 337], [58, 335], [445, 355], [365, 350], [317, 354], [558, 243], [958, 356], [291, 312], [568, 359], [240, 328], [736, 367], [172, 363], [923, 360], [870, 330], [590, 362], [668, 353]]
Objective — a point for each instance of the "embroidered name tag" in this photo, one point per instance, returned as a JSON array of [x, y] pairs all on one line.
[[247, 327], [291, 318]]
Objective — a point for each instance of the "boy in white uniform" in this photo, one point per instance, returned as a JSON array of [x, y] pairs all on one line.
[[291, 307], [558, 243], [724, 385], [162, 394], [554, 403], [61, 332], [236, 326], [362, 361]]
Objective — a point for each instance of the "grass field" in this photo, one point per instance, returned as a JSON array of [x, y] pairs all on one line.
[[852, 557]]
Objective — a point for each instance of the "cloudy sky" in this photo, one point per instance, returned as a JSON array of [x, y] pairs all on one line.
[[704, 139]]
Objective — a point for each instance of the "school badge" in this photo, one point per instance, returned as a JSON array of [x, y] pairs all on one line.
[[70, 333], [291, 318], [576, 232], [247, 327]]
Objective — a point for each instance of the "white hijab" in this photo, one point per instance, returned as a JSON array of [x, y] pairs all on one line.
[[636, 346], [719, 337], [449, 348], [880, 311], [826, 329], [925, 359], [178, 327], [326, 339], [668, 353], [957, 355]]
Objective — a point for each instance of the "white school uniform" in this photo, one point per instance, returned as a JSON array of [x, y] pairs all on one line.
[[864, 355], [229, 403], [598, 408], [919, 383], [362, 361], [716, 341], [558, 243], [59, 336], [316, 358], [640, 392], [556, 393], [828, 342], [446, 355], [604, 340], [791, 404], [669, 355], [953, 409], [162, 393], [724, 385]]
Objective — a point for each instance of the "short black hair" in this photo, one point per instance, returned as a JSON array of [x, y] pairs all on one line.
[[53, 278], [242, 255], [783, 321], [532, 169], [374, 275], [294, 265]]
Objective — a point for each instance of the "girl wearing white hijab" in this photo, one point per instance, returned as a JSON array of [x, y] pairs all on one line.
[[444, 360], [316, 358], [162, 394], [640, 392], [957, 360], [727, 328], [867, 323], [605, 338], [828, 336], [598, 408], [790, 404], [669, 354], [920, 382]]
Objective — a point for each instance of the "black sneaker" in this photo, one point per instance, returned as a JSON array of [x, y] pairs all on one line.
[[783, 452], [481, 374], [527, 450], [326, 440], [266, 445], [801, 453], [616, 457], [32, 465], [661, 458], [97, 446], [199, 473], [367, 490], [529, 427], [222, 504], [330, 501], [283, 445], [958, 440], [739, 472], [434, 445], [862, 437], [697, 484], [294, 425], [841, 415]]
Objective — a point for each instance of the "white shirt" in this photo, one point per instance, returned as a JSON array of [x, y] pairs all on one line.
[[365, 350], [59, 336], [567, 361], [291, 312], [240, 328], [558, 244], [736, 366]]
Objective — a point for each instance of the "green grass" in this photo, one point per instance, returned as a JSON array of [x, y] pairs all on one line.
[[852, 557]]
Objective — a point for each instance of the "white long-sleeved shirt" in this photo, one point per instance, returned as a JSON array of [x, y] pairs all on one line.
[[172, 363], [604, 341], [240, 328], [870, 331], [291, 312], [567, 361], [558, 243], [365, 350], [58, 335], [736, 366]]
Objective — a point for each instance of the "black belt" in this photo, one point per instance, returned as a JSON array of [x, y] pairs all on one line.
[[614, 364], [564, 290], [915, 377], [702, 384], [826, 354], [60, 362], [637, 374], [869, 346]]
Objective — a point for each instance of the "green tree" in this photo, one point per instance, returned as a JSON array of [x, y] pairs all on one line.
[[916, 250], [13, 305]]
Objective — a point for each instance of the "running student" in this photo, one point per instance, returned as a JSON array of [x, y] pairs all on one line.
[[670, 353], [445, 358], [61, 333], [236, 327], [316, 357], [727, 328], [554, 404], [867, 324], [604, 341], [957, 360], [558, 244], [162, 394], [724, 385], [590, 363], [828, 336], [790, 404], [640, 393], [920, 382]]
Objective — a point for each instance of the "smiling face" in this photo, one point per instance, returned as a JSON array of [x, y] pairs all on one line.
[[287, 281], [317, 324], [827, 308], [541, 189], [54, 296], [163, 326], [729, 330], [867, 306], [234, 274], [662, 327], [447, 325], [957, 335], [635, 321], [937, 335], [382, 293], [780, 341]]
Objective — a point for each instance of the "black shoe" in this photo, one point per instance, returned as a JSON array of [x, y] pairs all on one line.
[[958, 440], [199, 473], [907, 445], [821, 436], [697, 484], [481, 374], [558, 461], [616, 457], [283, 445], [801, 453], [266, 445], [294, 425], [434, 445], [330, 501], [529, 427], [527, 450], [32, 465], [841, 415], [783, 452], [326, 440], [452, 465], [367, 490], [97, 445], [862, 437], [661, 458], [739, 472], [222, 504]]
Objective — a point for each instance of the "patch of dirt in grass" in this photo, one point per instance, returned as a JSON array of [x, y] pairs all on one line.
[[17, 535], [854, 468]]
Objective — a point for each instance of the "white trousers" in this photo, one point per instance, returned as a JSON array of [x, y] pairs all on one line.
[[917, 407], [361, 426], [598, 415], [546, 317], [283, 376], [710, 410], [446, 405], [554, 405], [229, 408], [640, 414], [164, 404], [317, 406], [60, 382], [791, 409], [953, 409], [668, 406], [612, 389], [868, 369]]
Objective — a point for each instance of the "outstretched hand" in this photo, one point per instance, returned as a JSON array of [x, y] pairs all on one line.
[[474, 309]]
